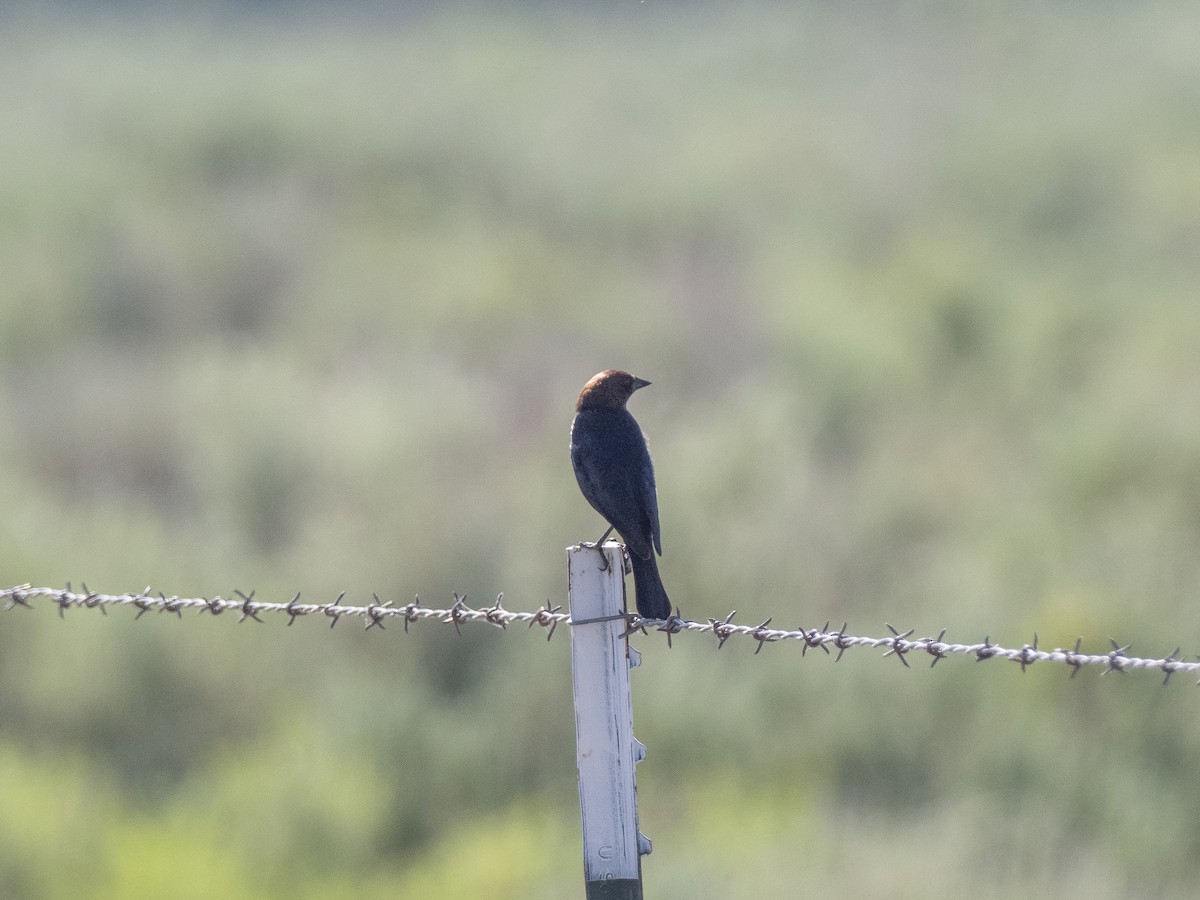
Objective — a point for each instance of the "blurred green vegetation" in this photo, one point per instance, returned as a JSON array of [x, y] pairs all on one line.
[[302, 302]]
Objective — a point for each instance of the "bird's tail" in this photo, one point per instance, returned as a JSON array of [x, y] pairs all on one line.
[[652, 600]]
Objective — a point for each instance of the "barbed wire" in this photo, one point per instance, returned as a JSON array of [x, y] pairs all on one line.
[[898, 644], [246, 607]]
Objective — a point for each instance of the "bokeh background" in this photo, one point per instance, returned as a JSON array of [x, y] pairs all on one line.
[[299, 298]]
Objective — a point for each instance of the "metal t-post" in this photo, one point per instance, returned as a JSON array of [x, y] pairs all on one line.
[[606, 749]]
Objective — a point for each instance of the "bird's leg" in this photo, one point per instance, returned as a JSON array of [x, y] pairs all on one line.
[[599, 546]]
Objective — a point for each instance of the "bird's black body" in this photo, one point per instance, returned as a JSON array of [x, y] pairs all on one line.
[[614, 470]]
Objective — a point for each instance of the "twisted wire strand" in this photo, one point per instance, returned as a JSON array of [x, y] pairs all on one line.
[[375, 614]]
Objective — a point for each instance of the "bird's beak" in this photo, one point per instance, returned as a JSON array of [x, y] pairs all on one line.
[[639, 383]]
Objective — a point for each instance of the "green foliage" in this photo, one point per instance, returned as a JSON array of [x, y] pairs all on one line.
[[303, 304]]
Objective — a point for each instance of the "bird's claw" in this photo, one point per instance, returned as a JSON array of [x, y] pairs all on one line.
[[599, 548], [599, 545]]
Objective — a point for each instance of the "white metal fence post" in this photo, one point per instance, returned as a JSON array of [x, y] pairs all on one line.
[[606, 750]]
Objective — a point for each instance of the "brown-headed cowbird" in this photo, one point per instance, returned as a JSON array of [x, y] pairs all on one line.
[[612, 465]]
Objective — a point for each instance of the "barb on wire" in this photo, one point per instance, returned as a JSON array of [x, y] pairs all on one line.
[[375, 614]]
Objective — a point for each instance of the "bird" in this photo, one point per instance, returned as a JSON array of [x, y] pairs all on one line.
[[616, 475]]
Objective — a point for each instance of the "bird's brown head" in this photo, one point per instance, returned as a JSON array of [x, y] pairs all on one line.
[[609, 390]]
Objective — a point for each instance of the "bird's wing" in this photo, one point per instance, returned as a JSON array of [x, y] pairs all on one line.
[[650, 504]]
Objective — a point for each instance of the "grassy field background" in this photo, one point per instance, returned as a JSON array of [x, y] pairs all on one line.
[[301, 301]]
